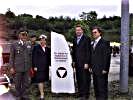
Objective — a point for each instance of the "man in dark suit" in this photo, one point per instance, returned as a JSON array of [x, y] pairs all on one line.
[[81, 61], [20, 63], [100, 62]]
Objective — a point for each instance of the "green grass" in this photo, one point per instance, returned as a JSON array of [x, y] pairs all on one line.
[[114, 93]]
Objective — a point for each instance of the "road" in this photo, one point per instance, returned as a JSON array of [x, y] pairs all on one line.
[[114, 68]]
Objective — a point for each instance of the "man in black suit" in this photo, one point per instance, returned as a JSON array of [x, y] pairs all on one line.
[[81, 61], [100, 62]]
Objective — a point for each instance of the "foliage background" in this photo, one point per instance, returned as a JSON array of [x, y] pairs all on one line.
[[65, 25]]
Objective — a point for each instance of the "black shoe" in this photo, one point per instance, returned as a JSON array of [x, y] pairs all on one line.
[[83, 98], [25, 98], [41, 99], [87, 97]]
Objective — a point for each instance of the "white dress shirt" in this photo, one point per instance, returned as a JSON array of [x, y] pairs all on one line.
[[96, 41]]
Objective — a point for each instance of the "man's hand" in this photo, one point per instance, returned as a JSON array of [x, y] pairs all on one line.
[[104, 72], [73, 64], [12, 70], [90, 70], [86, 66], [35, 68]]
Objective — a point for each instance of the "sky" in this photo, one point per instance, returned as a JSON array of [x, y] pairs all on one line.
[[72, 8]]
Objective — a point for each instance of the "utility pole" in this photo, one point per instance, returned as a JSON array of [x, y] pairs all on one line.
[[124, 59]]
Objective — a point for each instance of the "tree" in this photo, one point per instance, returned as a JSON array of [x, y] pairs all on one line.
[[89, 18], [39, 17], [9, 14], [25, 15]]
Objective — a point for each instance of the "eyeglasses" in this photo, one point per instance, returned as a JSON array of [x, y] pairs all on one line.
[[24, 34], [94, 32]]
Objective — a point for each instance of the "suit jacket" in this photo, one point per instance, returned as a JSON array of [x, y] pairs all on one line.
[[100, 57], [20, 56], [81, 52], [41, 59]]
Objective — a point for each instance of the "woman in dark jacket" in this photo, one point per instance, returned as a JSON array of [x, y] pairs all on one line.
[[41, 62]]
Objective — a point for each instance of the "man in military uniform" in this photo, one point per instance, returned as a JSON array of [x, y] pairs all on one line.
[[20, 63]]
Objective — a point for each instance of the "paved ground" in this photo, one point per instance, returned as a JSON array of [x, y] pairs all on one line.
[[114, 68]]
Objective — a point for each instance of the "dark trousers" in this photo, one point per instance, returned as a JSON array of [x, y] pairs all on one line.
[[22, 84], [83, 81], [100, 83]]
